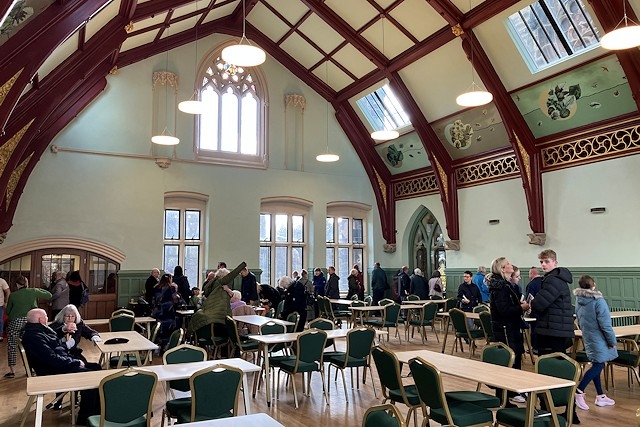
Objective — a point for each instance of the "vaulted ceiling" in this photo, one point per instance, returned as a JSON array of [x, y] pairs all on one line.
[[55, 56]]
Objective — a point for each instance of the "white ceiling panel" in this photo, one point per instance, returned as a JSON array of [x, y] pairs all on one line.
[[337, 79], [395, 42], [355, 12], [220, 12], [292, 10], [354, 61], [321, 33], [438, 78], [102, 18], [301, 51], [62, 52], [268, 23], [186, 9], [145, 23], [418, 17], [139, 40]]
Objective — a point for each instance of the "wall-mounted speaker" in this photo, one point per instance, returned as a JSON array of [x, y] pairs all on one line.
[[494, 221], [598, 210]]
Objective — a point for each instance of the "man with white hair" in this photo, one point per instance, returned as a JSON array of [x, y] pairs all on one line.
[[419, 285], [151, 282], [47, 356]]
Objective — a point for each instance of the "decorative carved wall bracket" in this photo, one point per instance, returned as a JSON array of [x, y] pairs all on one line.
[[537, 238], [389, 248], [452, 245], [163, 162]]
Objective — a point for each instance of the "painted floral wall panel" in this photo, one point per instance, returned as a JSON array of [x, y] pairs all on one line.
[[472, 131], [583, 96], [403, 154]]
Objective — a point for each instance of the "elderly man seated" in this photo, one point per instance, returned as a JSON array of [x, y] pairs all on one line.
[[48, 356]]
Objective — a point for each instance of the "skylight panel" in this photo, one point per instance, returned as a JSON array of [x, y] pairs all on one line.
[[551, 31], [383, 110]]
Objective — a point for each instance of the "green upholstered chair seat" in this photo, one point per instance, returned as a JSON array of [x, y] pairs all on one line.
[[176, 405], [418, 322], [129, 360], [249, 345], [516, 417], [352, 362], [410, 391], [328, 354], [94, 421], [373, 322], [276, 361], [185, 416], [478, 398], [475, 334], [342, 313], [463, 414], [625, 358], [289, 366]]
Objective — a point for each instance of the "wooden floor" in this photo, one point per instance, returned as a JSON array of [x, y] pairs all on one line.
[[313, 410]]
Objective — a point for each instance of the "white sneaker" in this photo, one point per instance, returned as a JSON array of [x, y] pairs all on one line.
[[603, 400], [518, 399], [580, 402]]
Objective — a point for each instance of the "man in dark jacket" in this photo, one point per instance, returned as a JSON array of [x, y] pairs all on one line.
[[331, 289], [552, 306], [151, 282], [47, 356], [248, 288], [404, 283], [379, 283], [468, 294]]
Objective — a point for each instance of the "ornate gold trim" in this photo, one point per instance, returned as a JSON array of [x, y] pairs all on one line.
[[457, 30], [113, 71], [6, 87], [14, 178], [7, 149], [443, 179], [382, 186], [129, 27], [525, 158]]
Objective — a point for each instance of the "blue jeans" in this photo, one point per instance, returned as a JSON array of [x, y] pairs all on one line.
[[593, 374]]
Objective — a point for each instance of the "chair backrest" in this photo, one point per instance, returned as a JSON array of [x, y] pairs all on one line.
[[272, 327], [386, 415], [154, 331], [429, 385], [214, 392], [310, 346], [485, 321], [360, 342], [498, 354], [480, 308], [559, 365], [368, 300], [279, 308], [270, 313], [385, 301], [320, 323], [175, 339], [450, 304], [184, 353], [391, 312], [122, 322], [413, 297], [293, 318], [127, 395], [120, 311], [429, 311], [354, 297], [25, 361], [358, 304], [459, 321], [388, 369], [436, 297], [232, 330]]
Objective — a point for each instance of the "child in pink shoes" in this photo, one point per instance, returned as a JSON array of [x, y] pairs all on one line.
[[599, 340]]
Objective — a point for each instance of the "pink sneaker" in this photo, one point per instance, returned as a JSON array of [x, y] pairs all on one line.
[[580, 402], [603, 400]]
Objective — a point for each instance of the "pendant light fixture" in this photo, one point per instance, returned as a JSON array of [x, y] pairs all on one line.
[[475, 96], [165, 137], [243, 54], [384, 134], [327, 157], [193, 105], [622, 37]]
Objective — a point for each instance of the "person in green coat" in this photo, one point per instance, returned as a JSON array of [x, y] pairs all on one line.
[[19, 304], [216, 306]]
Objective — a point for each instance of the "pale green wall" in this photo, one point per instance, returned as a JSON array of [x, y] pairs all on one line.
[[118, 200]]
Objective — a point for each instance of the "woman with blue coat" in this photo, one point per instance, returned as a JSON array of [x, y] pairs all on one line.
[[599, 339]]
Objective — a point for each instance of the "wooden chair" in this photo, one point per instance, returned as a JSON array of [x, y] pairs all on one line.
[[462, 331], [426, 317], [383, 416]]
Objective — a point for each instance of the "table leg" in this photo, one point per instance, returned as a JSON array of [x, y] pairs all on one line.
[[446, 333], [39, 409], [73, 407], [245, 394], [549, 403]]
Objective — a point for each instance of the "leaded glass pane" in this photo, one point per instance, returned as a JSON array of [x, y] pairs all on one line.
[[282, 224], [343, 230], [171, 224], [297, 224], [192, 225], [329, 233], [358, 236], [343, 268], [192, 261], [296, 258], [281, 263], [265, 264], [265, 227], [170, 258]]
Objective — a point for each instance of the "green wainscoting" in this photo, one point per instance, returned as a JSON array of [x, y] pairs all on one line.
[[130, 285], [620, 286]]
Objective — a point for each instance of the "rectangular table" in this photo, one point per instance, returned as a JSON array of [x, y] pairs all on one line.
[[146, 320], [496, 376], [39, 386], [254, 319], [424, 301], [621, 314], [137, 343], [341, 301], [262, 420], [369, 308]]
